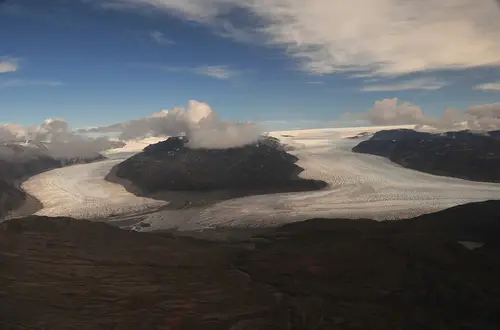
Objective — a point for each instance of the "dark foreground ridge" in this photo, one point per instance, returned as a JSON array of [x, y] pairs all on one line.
[[171, 165], [18, 162], [463, 154], [61, 273]]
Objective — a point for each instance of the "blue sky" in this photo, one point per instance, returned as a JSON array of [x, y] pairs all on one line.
[[96, 62]]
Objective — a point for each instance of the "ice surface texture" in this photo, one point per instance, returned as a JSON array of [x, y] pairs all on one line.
[[80, 191], [360, 186]]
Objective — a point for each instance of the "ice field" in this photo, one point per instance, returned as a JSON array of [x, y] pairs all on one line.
[[360, 186]]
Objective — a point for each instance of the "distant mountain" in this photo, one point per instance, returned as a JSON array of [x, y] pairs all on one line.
[[462, 154], [172, 165], [359, 136], [19, 160], [436, 271]]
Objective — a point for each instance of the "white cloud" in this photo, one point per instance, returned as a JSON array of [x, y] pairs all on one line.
[[214, 71], [485, 110], [415, 84], [160, 38], [385, 37], [495, 86], [8, 64], [61, 142], [6, 83], [198, 121], [394, 112]]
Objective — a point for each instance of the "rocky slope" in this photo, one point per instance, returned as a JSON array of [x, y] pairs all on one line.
[[60, 273], [463, 154], [172, 166], [18, 162]]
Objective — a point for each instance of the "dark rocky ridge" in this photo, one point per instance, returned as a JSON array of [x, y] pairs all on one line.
[[61, 273], [18, 162], [463, 154], [171, 165]]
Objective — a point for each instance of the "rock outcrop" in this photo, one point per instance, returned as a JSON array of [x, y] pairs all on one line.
[[463, 154]]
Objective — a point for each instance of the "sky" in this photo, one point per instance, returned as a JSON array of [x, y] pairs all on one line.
[[282, 63]]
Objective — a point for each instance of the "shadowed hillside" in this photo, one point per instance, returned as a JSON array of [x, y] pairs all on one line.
[[462, 154], [61, 273], [172, 165]]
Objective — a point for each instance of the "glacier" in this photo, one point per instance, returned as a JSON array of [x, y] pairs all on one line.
[[361, 186]]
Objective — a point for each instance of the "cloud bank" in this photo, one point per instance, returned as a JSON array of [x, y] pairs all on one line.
[[56, 138], [484, 117], [204, 129], [384, 37], [198, 121]]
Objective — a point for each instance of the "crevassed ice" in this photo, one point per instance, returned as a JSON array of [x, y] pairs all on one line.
[[361, 186], [80, 191]]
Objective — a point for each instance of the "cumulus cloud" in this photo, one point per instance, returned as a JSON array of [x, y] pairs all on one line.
[[494, 86], [8, 64], [415, 84], [198, 121], [160, 38], [395, 112], [385, 37]]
